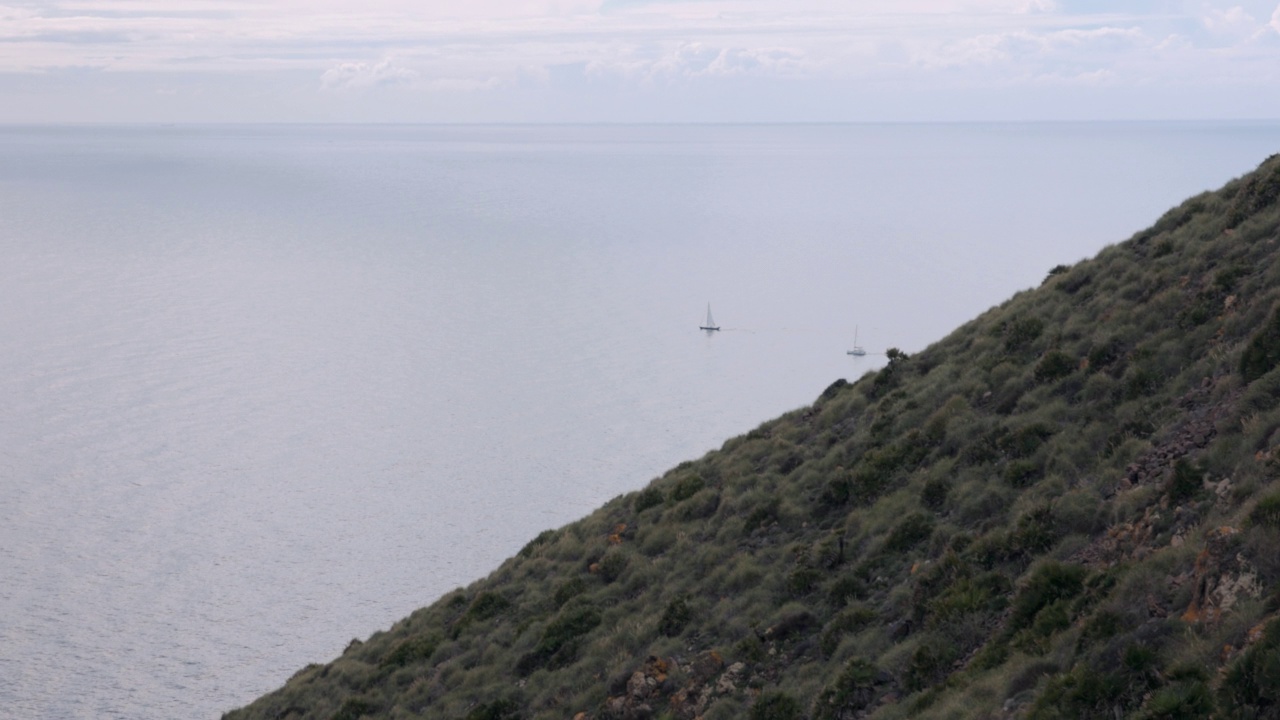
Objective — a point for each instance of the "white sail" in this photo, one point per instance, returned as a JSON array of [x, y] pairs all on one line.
[[711, 323], [857, 349]]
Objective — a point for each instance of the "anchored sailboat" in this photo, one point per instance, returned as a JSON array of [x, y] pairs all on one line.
[[711, 325], [857, 349]]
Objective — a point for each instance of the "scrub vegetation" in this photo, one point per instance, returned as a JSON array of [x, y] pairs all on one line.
[[1067, 508]]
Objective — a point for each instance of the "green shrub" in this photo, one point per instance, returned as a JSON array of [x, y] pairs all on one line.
[[1263, 351], [851, 693], [1047, 584], [934, 493], [686, 487], [909, 532], [675, 616], [543, 538], [1020, 473], [1054, 365], [354, 709], [1184, 483], [567, 590], [844, 589], [559, 643], [1267, 512], [776, 706], [613, 564], [930, 663], [487, 605], [506, 709], [1251, 687], [1021, 332], [802, 581], [410, 650], [645, 499], [851, 620]]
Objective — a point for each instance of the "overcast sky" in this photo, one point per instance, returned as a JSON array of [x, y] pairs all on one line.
[[636, 60]]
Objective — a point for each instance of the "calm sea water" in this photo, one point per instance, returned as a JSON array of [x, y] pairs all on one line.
[[266, 389]]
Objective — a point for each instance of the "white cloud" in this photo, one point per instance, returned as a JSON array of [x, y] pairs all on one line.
[[352, 75], [602, 46]]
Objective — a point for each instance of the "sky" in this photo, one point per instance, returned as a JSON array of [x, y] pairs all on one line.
[[636, 60]]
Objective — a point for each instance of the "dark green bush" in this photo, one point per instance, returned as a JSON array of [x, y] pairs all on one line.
[[1262, 354], [1047, 584], [410, 650], [802, 581], [354, 709], [686, 487], [851, 620], [1185, 483], [1267, 512], [647, 498], [776, 706], [1021, 473], [909, 532], [506, 709], [675, 617], [844, 589], [543, 538], [930, 663], [1054, 365], [1251, 687], [934, 493], [613, 564], [1021, 332], [559, 643], [569, 589], [487, 605], [857, 687]]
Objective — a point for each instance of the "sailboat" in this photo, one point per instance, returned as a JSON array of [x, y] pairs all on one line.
[[857, 349], [711, 325]]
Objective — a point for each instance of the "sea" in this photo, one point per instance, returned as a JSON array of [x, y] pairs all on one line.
[[268, 388]]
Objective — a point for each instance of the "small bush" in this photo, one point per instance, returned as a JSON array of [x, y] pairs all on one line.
[[645, 499], [909, 532], [675, 616], [567, 590], [1053, 366], [559, 643], [776, 706], [543, 538], [1184, 484], [1251, 687], [410, 650], [802, 581], [934, 493], [612, 565], [1021, 332], [855, 690], [1048, 584], [497, 710], [1267, 512], [686, 487], [354, 709], [851, 620], [1021, 473]]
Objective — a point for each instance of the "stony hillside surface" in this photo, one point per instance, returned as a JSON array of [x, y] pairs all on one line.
[[1068, 508]]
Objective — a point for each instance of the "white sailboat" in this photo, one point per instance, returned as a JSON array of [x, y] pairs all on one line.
[[857, 350], [711, 325]]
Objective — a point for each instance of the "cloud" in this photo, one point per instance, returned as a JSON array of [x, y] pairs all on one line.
[[354, 75]]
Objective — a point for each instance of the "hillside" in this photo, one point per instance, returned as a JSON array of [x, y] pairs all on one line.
[[1067, 508]]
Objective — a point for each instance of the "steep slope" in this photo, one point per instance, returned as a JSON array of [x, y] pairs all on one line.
[[1068, 508]]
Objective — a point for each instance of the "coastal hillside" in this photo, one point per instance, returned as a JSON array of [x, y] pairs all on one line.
[[1067, 508]]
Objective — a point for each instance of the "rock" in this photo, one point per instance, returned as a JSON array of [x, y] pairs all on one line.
[[1222, 577]]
